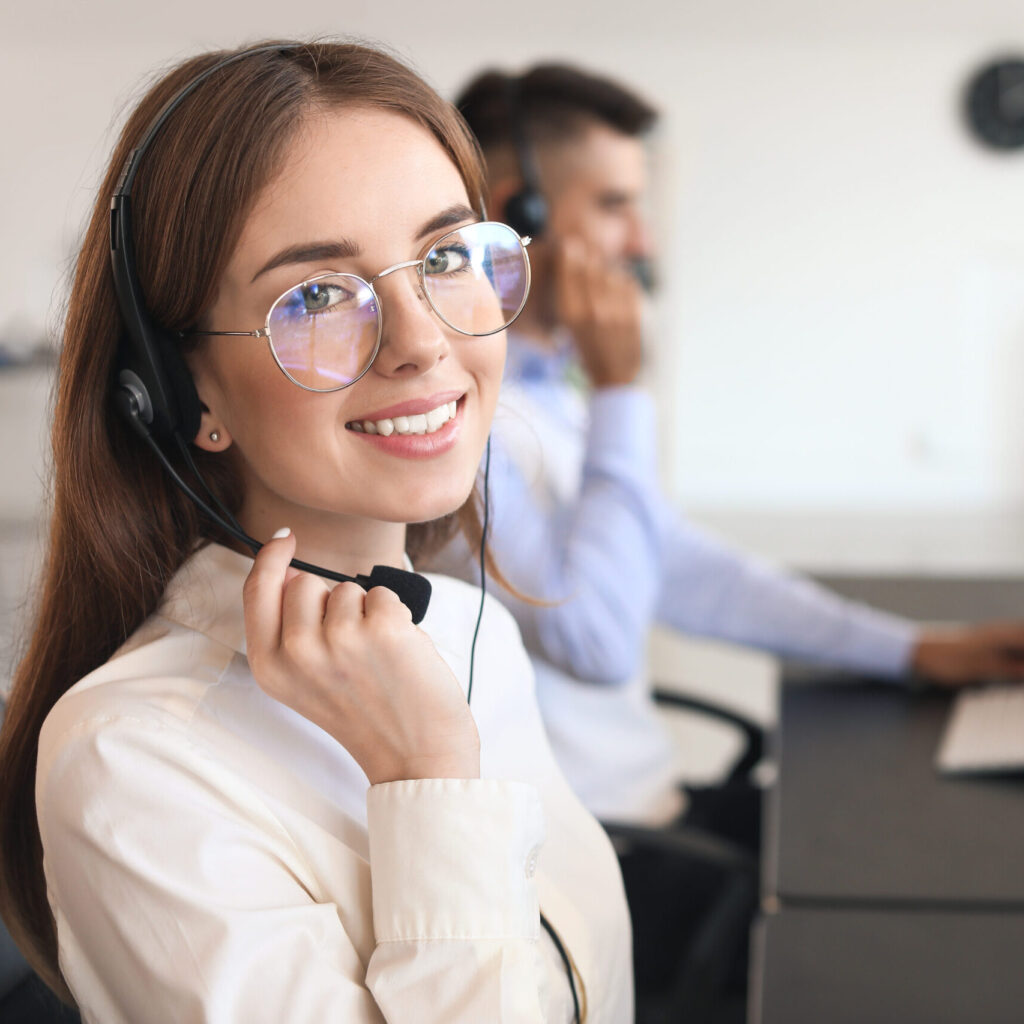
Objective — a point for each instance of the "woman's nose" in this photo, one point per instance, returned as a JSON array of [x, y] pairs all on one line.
[[413, 338]]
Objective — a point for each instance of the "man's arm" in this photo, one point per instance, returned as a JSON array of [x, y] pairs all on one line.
[[711, 589]]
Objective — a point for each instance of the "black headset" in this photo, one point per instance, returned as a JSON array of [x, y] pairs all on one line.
[[526, 211], [153, 389]]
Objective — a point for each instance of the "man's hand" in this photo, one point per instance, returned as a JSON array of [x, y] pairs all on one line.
[[952, 657], [602, 308]]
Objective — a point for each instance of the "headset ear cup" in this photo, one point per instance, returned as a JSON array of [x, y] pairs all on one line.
[[526, 212], [156, 375]]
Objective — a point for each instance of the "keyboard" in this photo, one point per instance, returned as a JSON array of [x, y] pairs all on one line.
[[984, 732]]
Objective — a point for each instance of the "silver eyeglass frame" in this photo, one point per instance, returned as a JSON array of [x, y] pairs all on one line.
[[420, 264]]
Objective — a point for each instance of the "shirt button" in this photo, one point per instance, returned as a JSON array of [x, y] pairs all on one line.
[[531, 862]]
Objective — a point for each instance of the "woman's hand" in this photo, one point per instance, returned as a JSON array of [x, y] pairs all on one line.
[[353, 663]]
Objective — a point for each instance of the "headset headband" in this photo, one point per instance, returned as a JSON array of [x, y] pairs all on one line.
[[527, 210], [520, 139], [127, 179], [148, 360]]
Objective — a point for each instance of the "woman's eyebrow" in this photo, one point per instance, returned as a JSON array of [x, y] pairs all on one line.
[[310, 252], [313, 252], [455, 214]]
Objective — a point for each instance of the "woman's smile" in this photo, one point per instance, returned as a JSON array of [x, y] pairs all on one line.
[[421, 428]]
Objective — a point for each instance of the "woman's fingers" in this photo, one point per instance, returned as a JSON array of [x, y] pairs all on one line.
[[344, 609], [381, 601], [262, 596], [302, 613]]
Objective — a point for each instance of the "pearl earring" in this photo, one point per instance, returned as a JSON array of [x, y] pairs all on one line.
[[214, 436]]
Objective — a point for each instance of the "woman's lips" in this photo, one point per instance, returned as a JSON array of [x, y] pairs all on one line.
[[412, 407], [415, 445]]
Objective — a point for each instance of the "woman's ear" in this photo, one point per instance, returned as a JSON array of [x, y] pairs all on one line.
[[212, 435]]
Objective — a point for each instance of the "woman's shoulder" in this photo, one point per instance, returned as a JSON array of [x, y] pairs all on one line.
[[161, 672], [157, 679]]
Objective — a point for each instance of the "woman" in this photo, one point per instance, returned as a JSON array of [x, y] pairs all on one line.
[[261, 797]]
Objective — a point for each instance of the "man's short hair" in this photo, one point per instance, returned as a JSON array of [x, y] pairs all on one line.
[[550, 101]]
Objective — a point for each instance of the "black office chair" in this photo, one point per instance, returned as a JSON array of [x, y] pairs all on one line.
[[703, 988], [24, 998], [28, 1000], [753, 733]]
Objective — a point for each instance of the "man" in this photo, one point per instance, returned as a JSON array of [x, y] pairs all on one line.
[[578, 519]]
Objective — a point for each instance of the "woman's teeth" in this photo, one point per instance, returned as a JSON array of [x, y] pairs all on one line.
[[422, 423]]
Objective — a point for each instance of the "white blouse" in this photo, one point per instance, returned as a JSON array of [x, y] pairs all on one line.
[[210, 855]]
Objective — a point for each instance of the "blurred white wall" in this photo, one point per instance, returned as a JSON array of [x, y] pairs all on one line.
[[848, 316], [842, 322]]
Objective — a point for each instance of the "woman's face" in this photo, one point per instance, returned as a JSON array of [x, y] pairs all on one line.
[[361, 190]]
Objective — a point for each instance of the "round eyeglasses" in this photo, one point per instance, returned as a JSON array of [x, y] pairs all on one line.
[[325, 333]]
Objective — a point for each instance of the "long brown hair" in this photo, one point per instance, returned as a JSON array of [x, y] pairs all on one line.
[[119, 528]]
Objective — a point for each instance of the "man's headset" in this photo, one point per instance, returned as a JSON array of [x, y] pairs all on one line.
[[526, 211], [154, 390]]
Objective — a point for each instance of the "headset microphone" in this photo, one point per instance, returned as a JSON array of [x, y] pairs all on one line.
[[642, 268], [154, 391]]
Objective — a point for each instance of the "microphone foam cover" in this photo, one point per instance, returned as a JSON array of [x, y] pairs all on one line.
[[412, 589]]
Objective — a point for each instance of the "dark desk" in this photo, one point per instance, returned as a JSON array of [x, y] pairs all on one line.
[[847, 966], [891, 893], [860, 814]]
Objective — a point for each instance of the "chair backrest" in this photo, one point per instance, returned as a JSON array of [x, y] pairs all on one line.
[[13, 967]]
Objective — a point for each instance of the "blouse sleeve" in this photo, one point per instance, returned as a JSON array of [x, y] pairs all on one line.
[[180, 896]]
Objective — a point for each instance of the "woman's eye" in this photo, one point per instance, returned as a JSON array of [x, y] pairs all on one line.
[[448, 260], [318, 297]]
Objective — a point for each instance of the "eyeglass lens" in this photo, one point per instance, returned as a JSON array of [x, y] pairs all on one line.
[[325, 332]]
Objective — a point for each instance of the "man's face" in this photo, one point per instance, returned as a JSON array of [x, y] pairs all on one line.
[[595, 185]]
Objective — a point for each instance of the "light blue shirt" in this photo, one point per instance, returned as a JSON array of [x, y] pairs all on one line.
[[579, 520]]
